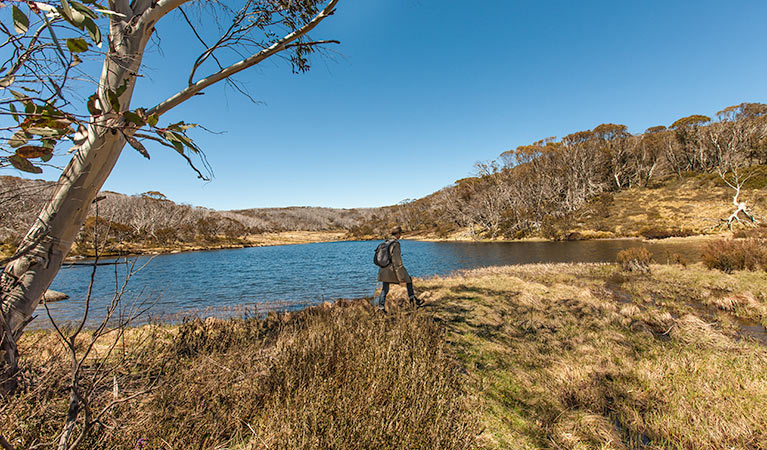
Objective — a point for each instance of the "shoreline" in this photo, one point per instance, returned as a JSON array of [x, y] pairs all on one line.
[[341, 237], [260, 240], [568, 338]]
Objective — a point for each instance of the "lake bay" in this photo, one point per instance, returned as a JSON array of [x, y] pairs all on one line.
[[232, 282]]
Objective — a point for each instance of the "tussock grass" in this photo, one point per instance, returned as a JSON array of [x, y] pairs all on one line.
[[635, 259], [338, 377], [543, 356], [736, 254], [591, 357]]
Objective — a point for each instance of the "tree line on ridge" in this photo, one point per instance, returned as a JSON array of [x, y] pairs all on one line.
[[532, 185]]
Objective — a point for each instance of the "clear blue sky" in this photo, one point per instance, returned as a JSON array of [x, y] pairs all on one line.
[[423, 89]]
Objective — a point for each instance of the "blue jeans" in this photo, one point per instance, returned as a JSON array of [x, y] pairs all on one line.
[[385, 290]]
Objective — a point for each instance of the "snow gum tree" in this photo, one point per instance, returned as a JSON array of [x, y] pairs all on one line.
[[49, 97]]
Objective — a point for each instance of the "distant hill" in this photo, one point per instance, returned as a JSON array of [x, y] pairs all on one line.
[[134, 223], [604, 182], [303, 218]]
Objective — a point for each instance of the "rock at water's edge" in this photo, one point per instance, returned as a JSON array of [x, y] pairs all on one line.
[[51, 296]]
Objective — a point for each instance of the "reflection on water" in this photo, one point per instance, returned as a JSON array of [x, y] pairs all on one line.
[[227, 282]]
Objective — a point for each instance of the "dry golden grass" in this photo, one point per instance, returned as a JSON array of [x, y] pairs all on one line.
[[693, 204], [342, 377], [253, 240], [589, 357], [543, 356], [295, 237]]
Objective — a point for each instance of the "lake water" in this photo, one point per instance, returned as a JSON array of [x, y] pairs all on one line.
[[232, 282]]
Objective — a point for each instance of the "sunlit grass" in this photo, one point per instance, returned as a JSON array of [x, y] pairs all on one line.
[[542, 356], [587, 356]]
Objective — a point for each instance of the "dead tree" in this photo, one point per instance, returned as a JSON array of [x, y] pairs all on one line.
[[740, 207]]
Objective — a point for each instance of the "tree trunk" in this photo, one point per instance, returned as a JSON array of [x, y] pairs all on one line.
[[25, 280]]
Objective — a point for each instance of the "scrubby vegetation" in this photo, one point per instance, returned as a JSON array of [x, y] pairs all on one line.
[[635, 259], [553, 188], [544, 356], [341, 377], [150, 221], [745, 250]]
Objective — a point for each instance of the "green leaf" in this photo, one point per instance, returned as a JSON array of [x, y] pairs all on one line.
[[92, 108], [18, 139], [18, 95], [84, 10], [123, 87], [77, 45], [181, 126], [137, 145], [134, 118], [152, 120], [114, 100], [23, 164], [188, 142], [33, 151], [72, 16], [7, 81], [108, 12], [93, 31], [173, 139], [20, 20], [59, 124], [14, 113]]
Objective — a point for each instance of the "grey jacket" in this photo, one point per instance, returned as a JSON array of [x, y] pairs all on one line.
[[394, 272]]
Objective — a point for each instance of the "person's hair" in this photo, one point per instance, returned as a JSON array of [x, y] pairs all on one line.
[[396, 230]]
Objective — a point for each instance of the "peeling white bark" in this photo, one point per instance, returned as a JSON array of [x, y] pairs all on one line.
[[25, 280]]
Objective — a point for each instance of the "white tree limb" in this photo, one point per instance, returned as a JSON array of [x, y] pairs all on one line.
[[227, 72]]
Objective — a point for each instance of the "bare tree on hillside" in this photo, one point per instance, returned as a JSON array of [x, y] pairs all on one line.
[[735, 180], [36, 34]]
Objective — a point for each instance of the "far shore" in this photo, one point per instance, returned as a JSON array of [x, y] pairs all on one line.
[[313, 237], [259, 240]]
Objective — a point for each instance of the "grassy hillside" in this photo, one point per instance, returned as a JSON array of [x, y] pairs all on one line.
[[692, 205], [566, 356]]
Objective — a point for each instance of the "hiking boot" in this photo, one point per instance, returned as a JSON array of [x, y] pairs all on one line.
[[415, 301]]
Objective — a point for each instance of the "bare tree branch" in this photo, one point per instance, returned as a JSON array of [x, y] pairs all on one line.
[[277, 47]]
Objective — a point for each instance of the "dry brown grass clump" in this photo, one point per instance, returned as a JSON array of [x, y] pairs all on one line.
[[590, 357], [664, 233], [635, 259], [326, 378], [736, 254]]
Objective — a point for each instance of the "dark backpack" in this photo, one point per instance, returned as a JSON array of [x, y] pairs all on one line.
[[382, 256]]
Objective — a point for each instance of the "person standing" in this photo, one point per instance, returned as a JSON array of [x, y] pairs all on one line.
[[395, 272]]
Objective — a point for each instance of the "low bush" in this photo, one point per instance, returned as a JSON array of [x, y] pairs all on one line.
[[664, 233], [736, 254], [635, 259]]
